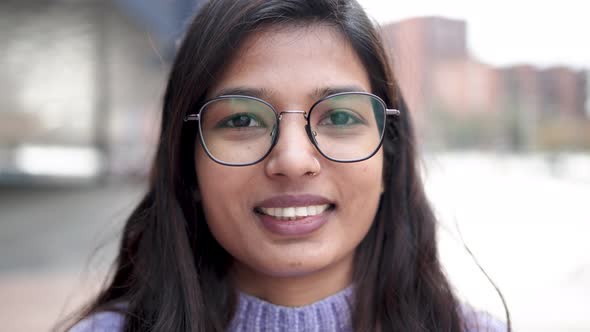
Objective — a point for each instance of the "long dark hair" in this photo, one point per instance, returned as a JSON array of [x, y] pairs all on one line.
[[170, 271]]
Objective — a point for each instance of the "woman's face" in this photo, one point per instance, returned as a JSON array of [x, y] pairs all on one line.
[[291, 68]]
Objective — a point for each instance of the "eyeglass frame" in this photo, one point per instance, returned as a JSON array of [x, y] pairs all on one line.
[[279, 115]]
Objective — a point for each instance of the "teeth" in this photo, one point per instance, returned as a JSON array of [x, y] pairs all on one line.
[[292, 213], [301, 211], [288, 212]]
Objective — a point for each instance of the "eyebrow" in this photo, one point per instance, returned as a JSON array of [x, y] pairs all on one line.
[[261, 93], [320, 93], [264, 93]]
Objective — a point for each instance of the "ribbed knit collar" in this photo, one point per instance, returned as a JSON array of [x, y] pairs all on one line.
[[332, 313]]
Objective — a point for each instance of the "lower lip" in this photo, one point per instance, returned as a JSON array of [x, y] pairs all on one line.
[[297, 227]]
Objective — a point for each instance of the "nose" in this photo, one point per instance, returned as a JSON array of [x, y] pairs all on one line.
[[293, 156]]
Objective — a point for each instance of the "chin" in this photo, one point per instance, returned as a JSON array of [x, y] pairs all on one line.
[[297, 267], [294, 272]]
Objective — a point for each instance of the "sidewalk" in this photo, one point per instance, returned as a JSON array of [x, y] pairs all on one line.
[[55, 246]]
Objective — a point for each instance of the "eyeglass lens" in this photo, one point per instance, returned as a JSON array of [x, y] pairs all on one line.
[[241, 130]]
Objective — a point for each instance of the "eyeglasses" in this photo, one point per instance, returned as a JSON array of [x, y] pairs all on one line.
[[242, 130]]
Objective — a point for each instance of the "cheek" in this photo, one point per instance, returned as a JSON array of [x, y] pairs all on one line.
[[222, 191], [361, 187], [220, 208], [216, 180], [211, 191], [368, 176], [220, 188]]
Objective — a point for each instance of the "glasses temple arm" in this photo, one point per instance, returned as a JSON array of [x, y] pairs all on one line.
[[390, 111], [191, 117]]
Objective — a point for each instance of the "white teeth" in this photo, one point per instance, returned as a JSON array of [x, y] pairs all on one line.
[[271, 211], [301, 211], [288, 212], [291, 213]]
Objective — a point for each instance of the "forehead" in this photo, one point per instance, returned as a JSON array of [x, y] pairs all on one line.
[[295, 60]]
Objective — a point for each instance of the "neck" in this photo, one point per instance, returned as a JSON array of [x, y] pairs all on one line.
[[294, 290]]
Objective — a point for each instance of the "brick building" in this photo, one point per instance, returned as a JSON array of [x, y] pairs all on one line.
[[416, 46], [436, 73]]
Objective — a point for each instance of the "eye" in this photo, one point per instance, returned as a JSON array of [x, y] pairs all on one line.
[[339, 117], [241, 120]]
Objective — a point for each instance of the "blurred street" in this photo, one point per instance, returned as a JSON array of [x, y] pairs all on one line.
[[55, 245], [526, 220]]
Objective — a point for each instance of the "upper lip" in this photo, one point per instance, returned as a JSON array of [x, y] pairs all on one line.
[[293, 201]]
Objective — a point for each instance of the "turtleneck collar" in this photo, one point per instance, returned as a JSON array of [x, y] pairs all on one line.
[[332, 313]]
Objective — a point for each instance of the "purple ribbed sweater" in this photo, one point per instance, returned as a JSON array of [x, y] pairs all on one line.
[[255, 315], [329, 314]]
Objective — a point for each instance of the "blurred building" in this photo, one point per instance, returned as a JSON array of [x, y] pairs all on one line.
[[465, 86], [563, 91], [521, 102], [82, 83], [437, 74], [521, 87], [417, 46]]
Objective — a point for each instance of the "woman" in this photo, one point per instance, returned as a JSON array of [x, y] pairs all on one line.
[[285, 194]]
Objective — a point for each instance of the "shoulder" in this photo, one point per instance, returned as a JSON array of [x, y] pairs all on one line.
[[107, 321], [480, 321]]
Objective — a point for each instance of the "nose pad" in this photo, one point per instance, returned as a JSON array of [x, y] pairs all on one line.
[[295, 157], [311, 134], [273, 132]]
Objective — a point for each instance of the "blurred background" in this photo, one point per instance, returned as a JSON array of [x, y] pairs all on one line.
[[500, 94]]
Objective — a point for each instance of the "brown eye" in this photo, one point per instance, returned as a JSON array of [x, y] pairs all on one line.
[[241, 120], [339, 117]]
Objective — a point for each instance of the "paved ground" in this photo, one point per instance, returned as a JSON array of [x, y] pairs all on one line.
[[527, 221], [55, 246]]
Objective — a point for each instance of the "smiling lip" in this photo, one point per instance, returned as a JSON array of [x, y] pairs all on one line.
[[293, 200], [299, 226]]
